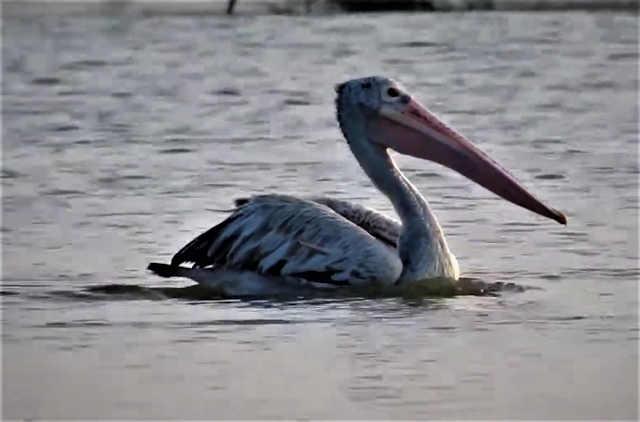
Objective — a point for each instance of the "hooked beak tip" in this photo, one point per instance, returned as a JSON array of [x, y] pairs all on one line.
[[560, 217]]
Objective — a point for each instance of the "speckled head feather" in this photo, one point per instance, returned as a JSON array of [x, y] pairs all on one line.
[[361, 95]]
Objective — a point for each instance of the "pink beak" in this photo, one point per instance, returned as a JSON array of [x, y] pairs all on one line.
[[411, 129]]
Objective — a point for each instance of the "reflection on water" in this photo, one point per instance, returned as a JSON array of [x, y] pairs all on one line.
[[124, 137], [417, 292]]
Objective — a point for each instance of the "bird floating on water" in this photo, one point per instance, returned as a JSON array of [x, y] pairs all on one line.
[[277, 243]]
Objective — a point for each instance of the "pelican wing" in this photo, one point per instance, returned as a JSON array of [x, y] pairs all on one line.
[[287, 236], [383, 228]]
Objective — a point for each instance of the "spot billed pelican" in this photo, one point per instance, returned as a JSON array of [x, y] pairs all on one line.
[[276, 243]]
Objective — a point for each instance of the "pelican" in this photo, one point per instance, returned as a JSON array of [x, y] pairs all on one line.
[[274, 243]]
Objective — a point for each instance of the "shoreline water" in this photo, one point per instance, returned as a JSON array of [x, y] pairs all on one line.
[[289, 7]]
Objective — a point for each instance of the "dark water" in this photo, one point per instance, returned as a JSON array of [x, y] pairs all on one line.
[[122, 137]]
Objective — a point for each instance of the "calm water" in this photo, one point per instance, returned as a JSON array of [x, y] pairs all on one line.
[[125, 137]]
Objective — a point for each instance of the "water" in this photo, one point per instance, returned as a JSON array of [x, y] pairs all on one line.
[[124, 137]]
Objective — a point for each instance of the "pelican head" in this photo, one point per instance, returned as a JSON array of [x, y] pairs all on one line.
[[378, 111]]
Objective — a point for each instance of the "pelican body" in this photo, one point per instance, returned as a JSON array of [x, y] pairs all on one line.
[[276, 243]]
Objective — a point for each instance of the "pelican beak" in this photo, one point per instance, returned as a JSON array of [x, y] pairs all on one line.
[[409, 128]]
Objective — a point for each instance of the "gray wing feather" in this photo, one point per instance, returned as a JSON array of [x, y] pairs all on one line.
[[288, 236], [377, 225], [383, 228]]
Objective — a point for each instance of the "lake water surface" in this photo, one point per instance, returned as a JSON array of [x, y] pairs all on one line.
[[124, 137]]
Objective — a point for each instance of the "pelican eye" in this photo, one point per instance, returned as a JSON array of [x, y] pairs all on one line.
[[393, 92]]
